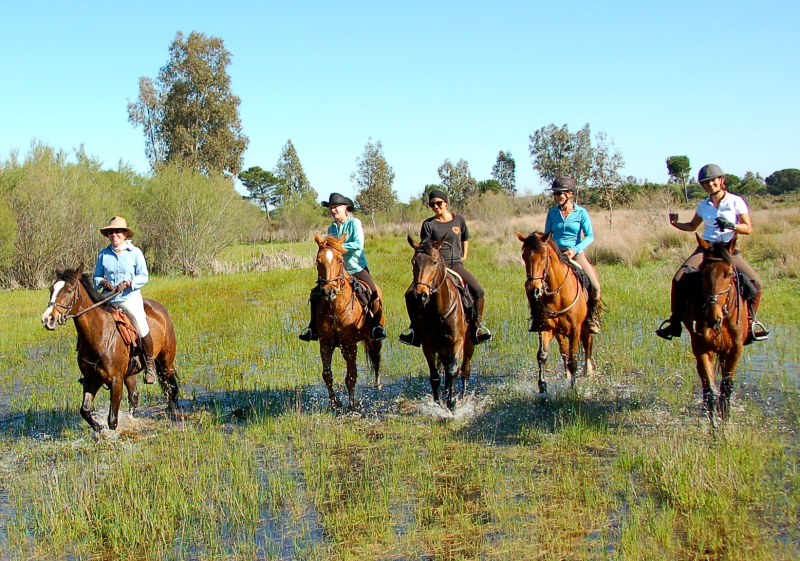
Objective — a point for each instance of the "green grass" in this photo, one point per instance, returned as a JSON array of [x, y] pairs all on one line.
[[622, 467]]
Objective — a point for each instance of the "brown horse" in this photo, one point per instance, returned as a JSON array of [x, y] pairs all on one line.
[[104, 358], [342, 321], [558, 304], [441, 320], [716, 319]]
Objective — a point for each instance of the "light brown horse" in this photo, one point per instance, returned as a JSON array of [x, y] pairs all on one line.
[[341, 319], [558, 304], [104, 358], [717, 319], [441, 320]]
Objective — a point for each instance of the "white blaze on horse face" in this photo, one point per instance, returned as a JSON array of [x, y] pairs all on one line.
[[48, 313], [329, 256]]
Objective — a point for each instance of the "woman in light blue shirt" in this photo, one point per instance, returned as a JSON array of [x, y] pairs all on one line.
[[355, 263], [567, 222], [121, 267]]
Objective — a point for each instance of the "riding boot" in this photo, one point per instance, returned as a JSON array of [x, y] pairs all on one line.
[[409, 336], [378, 331], [755, 329], [672, 327], [593, 316], [480, 334], [150, 366], [310, 332]]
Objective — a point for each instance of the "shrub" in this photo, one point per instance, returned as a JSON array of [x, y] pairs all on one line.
[[187, 218]]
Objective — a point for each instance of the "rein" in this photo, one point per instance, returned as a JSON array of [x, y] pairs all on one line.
[[66, 317], [435, 289], [338, 281], [726, 311]]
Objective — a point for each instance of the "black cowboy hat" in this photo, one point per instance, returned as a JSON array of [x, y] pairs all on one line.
[[337, 199], [563, 184]]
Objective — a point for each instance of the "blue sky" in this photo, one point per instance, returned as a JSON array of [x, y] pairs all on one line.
[[717, 81]]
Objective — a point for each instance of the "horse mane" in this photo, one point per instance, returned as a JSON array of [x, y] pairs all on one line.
[[717, 251], [86, 279], [426, 246], [534, 243], [332, 242]]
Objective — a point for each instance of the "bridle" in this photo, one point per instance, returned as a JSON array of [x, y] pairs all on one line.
[[67, 307], [538, 293], [338, 282], [434, 287], [714, 298]]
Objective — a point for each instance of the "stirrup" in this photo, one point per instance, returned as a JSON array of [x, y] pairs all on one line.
[[308, 335], [482, 335], [378, 333], [667, 334], [757, 332], [593, 326], [409, 337]]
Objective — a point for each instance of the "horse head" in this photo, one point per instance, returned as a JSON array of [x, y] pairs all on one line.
[[330, 265], [536, 258], [65, 295], [429, 268], [717, 277]]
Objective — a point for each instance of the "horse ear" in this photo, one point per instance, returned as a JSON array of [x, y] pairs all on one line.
[[342, 239], [59, 270], [318, 239], [80, 269], [438, 243], [411, 242], [522, 237], [732, 244], [701, 242], [546, 237]]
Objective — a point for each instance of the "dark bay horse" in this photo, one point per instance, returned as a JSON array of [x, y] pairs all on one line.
[[342, 321], [104, 358], [441, 319], [716, 319], [558, 304]]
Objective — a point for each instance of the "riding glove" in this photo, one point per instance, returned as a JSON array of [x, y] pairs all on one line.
[[724, 224]]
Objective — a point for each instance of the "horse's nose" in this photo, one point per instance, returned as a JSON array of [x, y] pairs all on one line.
[[423, 297]]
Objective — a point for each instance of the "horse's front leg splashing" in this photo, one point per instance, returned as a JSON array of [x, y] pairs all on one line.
[[544, 343], [451, 370], [350, 353], [326, 354]]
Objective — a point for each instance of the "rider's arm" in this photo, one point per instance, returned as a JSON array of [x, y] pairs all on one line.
[[464, 250], [355, 236], [99, 271], [743, 226], [548, 223], [689, 226], [588, 234], [140, 274]]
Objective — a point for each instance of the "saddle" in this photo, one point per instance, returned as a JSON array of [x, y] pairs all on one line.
[[467, 301], [126, 328], [363, 292], [582, 277]]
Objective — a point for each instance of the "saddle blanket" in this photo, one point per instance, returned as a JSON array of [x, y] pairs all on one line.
[[125, 328]]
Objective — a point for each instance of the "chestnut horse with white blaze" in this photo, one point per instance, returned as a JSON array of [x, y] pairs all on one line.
[[104, 358], [717, 321], [342, 321], [441, 319], [558, 305]]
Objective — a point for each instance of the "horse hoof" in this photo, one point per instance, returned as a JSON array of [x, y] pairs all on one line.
[[542, 386]]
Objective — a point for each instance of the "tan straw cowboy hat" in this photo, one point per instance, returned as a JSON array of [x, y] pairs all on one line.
[[117, 223]]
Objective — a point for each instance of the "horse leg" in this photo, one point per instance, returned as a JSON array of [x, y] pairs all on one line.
[[466, 366], [450, 372], [168, 380], [133, 394], [563, 348], [705, 369], [350, 354], [573, 341], [326, 354], [588, 343], [374, 356], [433, 369], [116, 398], [728, 365], [544, 343], [89, 391]]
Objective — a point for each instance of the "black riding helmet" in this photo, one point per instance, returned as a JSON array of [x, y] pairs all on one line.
[[709, 172], [564, 184]]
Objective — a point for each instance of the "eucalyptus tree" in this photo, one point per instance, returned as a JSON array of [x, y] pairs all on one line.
[[556, 152], [373, 180], [679, 169], [291, 171], [189, 114], [504, 170], [457, 181]]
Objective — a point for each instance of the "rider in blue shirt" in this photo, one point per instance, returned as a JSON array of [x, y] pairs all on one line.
[[567, 222]]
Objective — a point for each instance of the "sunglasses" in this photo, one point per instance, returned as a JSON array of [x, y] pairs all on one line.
[[116, 231], [435, 204]]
